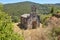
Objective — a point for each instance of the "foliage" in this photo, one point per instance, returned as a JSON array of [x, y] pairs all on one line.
[[1, 7], [17, 9], [52, 10], [58, 11], [15, 19], [6, 28], [44, 17], [57, 31]]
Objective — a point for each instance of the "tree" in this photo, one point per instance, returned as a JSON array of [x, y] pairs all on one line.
[[52, 10]]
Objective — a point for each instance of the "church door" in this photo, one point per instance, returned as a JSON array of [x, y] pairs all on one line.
[[34, 24]]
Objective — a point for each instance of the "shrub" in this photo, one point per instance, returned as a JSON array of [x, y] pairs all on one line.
[[6, 28]]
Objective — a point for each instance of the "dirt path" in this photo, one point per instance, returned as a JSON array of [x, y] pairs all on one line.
[[33, 34]]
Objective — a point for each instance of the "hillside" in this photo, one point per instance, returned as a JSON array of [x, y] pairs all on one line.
[[49, 27], [17, 9], [24, 7]]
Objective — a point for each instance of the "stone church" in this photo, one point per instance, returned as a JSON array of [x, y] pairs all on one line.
[[31, 20]]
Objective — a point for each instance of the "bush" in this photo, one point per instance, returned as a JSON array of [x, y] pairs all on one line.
[[6, 28], [43, 17], [15, 19], [57, 31]]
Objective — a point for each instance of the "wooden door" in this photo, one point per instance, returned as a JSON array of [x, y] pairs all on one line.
[[34, 24]]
